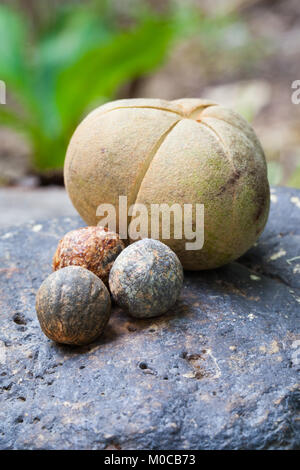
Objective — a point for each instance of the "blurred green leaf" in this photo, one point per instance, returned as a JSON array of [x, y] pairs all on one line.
[[12, 119], [13, 40], [71, 64], [99, 72], [78, 31], [80, 59]]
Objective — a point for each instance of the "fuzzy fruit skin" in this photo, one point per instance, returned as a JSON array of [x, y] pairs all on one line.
[[73, 306], [146, 279], [93, 248], [185, 151]]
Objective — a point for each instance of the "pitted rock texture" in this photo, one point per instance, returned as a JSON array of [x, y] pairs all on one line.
[[220, 371], [146, 278]]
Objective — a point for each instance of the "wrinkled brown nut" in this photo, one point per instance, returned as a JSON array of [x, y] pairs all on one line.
[[187, 151], [146, 279], [93, 248], [73, 306]]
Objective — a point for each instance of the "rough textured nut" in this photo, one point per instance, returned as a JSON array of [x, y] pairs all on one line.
[[146, 279], [93, 248], [73, 306], [184, 151]]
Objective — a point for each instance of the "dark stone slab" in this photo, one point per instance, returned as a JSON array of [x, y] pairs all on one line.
[[218, 372]]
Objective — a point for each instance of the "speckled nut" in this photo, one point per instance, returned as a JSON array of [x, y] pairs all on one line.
[[146, 278], [93, 248], [73, 306]]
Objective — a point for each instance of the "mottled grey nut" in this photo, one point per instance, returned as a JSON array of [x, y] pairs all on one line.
[[73, 306], [146, 278]]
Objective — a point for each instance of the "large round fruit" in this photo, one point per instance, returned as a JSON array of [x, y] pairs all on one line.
[[188, 151]]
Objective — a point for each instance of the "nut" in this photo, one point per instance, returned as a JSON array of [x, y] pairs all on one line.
[[146, 278], [73, 306], [93, 248]]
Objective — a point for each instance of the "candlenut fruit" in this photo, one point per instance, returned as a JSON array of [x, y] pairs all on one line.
[[188, 151]]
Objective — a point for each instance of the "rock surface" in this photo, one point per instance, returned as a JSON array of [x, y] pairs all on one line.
[[24, 205], [218, 372]]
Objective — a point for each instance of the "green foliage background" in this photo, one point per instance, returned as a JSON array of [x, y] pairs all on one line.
[[80, 57], [71, 65], [59, 63]]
